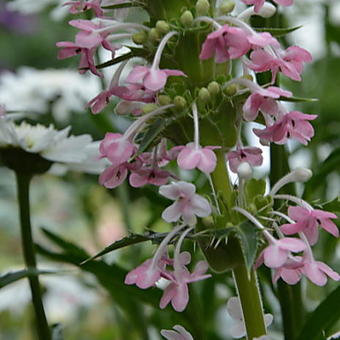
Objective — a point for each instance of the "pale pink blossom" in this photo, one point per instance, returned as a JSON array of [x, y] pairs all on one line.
[[263, 100], [276, 254], [179, 333], [187, 203], [134, 92], [116, 148], [318, 271], [82, 6], [258, 4], [146, 274], [307, 221], [293, 125], [251, 155], [289, 61], [192, 156], [225, 43], [113, 176], [153, 79], [98, 103], [177, 291], [290, 272], [152, 175], [262, 39]]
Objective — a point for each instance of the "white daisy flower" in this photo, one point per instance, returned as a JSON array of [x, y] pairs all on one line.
[[76, 152]]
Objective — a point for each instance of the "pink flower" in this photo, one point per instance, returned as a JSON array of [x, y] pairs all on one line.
[[290, 272], [146, 274], [318, 271], [117, 148], [263, 100], [191, 157], [177, 291], [289, 61], [134, 92], [98, 103], [70, 49], [251, 155], [187, 203], [292, 125], [153, 175], [307, 221], [262, 39], [225, 43], [258, 4], [113, 176], [153, 79], [82, 6], [276, 254], [179, 333]]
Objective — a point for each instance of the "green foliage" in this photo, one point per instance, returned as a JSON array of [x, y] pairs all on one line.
[[323, 317]]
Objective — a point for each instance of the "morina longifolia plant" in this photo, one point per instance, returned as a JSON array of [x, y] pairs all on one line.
[[198, 73]]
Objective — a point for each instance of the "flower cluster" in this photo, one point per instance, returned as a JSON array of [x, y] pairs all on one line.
[[166, 88]]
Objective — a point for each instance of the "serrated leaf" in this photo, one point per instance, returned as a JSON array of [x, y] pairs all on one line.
[[152, 133], [246, 232], [298, 99], [11, 277], [124, 242], [333, 205], [323, 317], [278, 32]]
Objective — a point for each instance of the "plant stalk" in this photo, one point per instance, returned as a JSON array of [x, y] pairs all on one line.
[[250, 299], [23, 183]]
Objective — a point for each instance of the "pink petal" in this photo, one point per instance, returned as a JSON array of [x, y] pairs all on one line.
[[274, 256], [292, 244]]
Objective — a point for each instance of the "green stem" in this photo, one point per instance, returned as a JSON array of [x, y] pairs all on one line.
[[23, 182], [246, 283], [221, 180], [250, 298]]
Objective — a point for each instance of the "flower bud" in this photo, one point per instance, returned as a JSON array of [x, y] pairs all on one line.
[[202, 7], [245, 171], [267, 11], [139, 38], [226, 7], [302, 174], [187, 19], [154, 35], [149, 107], [231, 90], [214, 88], [162, 27], [180, 102], [204, 95], [164, 100]]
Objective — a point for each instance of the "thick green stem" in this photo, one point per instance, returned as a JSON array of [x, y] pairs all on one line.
[[250, 298], [246, 283], [23, 182]]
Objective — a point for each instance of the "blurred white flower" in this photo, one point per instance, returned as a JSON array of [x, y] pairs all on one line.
[[64, 296], [60, 91], [238, 330], [76, 152]]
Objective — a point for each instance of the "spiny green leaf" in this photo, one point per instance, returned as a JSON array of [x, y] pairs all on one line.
[[124, 242], [333, 205], [253, 188], [246, 232], [323, 317], [278, 32], [11, 277], [124, 5]]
